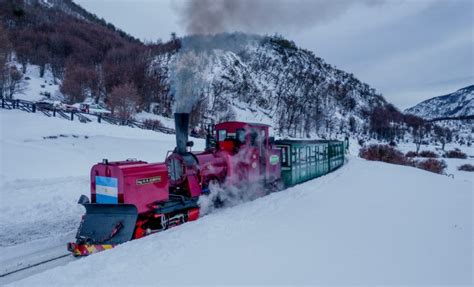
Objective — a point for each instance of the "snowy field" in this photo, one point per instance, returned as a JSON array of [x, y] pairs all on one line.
[[368, 223]]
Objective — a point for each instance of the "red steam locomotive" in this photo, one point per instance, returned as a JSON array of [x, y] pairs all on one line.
[[131, 199]]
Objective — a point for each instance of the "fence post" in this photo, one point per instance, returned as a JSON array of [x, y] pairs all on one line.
[[99, 118], [34, 108], [54, 112], [72, 115]]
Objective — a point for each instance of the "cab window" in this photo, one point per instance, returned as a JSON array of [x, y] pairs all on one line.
[[254, 138], [240, 134], [222, 135]]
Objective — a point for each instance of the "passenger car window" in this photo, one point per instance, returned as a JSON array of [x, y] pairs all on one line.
[[284, 156], [302, 154]]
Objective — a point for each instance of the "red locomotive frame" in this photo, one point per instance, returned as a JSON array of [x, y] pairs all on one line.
[[131, 199]]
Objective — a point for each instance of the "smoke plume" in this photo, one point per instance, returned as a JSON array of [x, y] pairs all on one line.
[[267, 16], [186, 79]]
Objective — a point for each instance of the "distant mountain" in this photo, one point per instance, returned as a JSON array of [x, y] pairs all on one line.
[[457, 104]]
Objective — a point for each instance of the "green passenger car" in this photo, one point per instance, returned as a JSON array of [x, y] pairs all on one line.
[[303, 160]]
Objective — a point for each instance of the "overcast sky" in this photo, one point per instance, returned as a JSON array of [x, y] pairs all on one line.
[[409, 50]]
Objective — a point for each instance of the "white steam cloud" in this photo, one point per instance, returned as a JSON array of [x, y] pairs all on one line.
[[186, 79], [235, 190]]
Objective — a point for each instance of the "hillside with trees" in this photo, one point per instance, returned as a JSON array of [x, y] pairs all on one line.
[[246, 77], [90, 58]]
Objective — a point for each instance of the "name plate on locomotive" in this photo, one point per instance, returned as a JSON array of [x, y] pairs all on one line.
[[148, 180], [274, 159]]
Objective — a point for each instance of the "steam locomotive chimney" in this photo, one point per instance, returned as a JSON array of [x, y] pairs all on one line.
[[181, 121]]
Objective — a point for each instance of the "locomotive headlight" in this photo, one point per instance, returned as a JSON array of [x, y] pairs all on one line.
[[175, 169]]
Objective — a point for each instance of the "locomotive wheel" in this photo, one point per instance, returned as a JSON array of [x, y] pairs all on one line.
[[276, 186]]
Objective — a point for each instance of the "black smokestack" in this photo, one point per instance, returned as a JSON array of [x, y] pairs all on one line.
[[181, 121]]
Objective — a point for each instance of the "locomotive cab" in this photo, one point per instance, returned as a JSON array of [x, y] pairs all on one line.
[[233, 136], [255, 159]]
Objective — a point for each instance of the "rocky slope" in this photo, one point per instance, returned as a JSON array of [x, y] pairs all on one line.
[[270, 79]]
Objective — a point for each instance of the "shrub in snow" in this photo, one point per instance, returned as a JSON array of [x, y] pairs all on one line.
[[456, 153], [384, 153], [411, 154], [152, 124], [428, 154], [466, 167], [433, 165]]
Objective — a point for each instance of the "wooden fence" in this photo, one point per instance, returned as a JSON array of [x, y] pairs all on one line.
[[33, 107]]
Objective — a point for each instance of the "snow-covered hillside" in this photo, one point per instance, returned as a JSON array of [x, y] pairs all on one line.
[[457, 104], [269, 79], [35, 88], [367, 223]]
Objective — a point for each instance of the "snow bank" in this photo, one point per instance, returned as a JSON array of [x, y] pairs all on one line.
[[367, 223]]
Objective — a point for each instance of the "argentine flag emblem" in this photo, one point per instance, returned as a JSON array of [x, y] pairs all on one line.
[[106, 189]]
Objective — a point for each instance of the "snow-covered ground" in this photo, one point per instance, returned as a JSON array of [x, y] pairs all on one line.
[[368, 223], [166, 122], [36, 88]]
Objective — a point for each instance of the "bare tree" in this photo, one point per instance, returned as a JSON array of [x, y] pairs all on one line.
[[124, 100], [442, 134], [418, 134], [14, 83], [79, 82], [5, 49]]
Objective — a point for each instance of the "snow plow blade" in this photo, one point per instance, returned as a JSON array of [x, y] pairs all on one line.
[[104, 226]]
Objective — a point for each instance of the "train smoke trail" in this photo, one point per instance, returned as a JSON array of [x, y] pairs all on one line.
[[186, 79], [268, 16], [190, 67]]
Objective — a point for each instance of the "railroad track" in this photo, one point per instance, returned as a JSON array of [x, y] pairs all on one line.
[[33, 265], [27, 265]]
